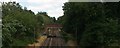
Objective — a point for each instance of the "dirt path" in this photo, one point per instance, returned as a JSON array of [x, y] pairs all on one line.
[[72, 44], [38, 44]]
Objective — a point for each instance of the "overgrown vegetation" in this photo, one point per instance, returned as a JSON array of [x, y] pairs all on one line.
[[93, 25], [21, 26]]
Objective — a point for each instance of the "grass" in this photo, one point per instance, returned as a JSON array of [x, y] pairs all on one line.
[[22, 42]]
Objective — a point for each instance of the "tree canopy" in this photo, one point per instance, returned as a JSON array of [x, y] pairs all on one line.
[[20, 25], [92, 24]]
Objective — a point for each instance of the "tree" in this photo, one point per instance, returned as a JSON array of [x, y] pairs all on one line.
[[43, 13], [93, 23], [53, 19], [18, 25]]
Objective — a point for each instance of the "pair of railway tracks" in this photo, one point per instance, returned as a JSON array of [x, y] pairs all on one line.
[[53, 40], [53, 43]]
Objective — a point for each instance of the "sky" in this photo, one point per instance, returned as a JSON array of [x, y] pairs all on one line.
[[52, 7]]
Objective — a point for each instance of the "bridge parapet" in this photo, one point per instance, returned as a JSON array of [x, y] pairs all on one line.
[[50, 27]]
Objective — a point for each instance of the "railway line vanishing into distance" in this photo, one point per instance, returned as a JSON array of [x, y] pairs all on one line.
[[54, 38]]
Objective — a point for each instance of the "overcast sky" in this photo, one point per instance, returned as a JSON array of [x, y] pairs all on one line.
[[52, 7]]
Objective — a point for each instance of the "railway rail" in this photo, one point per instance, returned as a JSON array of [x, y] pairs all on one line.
[[54, 39]]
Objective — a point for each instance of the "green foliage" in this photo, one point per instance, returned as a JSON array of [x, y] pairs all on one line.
[[42, 13], [53, 19], [66, 36], [61, 20], [21, 26], [94, 24], [18, 25], [47, 19]]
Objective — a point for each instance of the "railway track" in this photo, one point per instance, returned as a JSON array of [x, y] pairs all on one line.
[[53, 43], [53, 40]]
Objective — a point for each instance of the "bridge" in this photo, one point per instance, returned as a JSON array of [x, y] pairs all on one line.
[[54, 40]]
